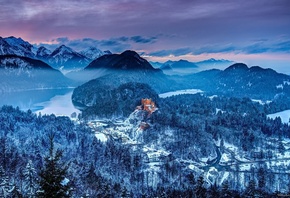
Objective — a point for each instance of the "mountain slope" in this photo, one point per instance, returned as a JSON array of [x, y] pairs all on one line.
[[16, 46], [42, 53], [65, 58], [21, 73], [122, 68]]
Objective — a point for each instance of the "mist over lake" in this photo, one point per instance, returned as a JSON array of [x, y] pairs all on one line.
[[47, 101]]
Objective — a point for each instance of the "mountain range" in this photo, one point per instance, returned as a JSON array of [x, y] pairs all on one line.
[[236, 80], [62, 58]]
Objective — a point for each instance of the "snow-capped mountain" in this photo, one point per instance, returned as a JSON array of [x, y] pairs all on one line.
[[213, 61], [16, 46], [65, 58], [43, 53], [93, 53]]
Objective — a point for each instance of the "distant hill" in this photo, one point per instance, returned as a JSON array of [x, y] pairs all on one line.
[[180, 67], [156, 64], [241, 81], [22, 73], [185, 67], [214, 63]]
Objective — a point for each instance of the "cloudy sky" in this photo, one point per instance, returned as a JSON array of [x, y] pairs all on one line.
[[256, 32]]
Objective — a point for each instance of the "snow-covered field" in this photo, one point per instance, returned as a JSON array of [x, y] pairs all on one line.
[[179, 92], [284, 115]]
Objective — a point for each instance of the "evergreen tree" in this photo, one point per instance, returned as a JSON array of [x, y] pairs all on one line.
[[281, 147], [200, 190], [213, 191], [30, 178], [191, 180], [251, 189], [261, 178], [225, 192], [5, 187], [124, 192], [15, 193], [53, 175]]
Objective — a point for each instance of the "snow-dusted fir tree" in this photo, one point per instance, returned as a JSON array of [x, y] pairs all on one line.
[[5, 187], [53, 182], [250, 191], [30, 180]]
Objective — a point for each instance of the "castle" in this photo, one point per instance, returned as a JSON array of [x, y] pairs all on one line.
[[148, 105]]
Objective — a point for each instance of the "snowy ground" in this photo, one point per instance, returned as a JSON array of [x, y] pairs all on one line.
[[102, 137], [179, 92], [261, 102], [284, 115]]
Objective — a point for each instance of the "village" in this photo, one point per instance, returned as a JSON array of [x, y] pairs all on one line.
[[129, 131]]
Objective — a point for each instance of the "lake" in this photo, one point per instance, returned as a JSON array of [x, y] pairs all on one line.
[[48, 101]]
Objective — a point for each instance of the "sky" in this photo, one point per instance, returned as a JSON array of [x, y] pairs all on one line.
[[256, 32]]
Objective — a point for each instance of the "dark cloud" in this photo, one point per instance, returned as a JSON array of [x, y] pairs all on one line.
[[215, 49], [62, 40], [160, 28], [256, 48], [282, 46], [140, 39], [259, 47], [268, 46], [118, 44]]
